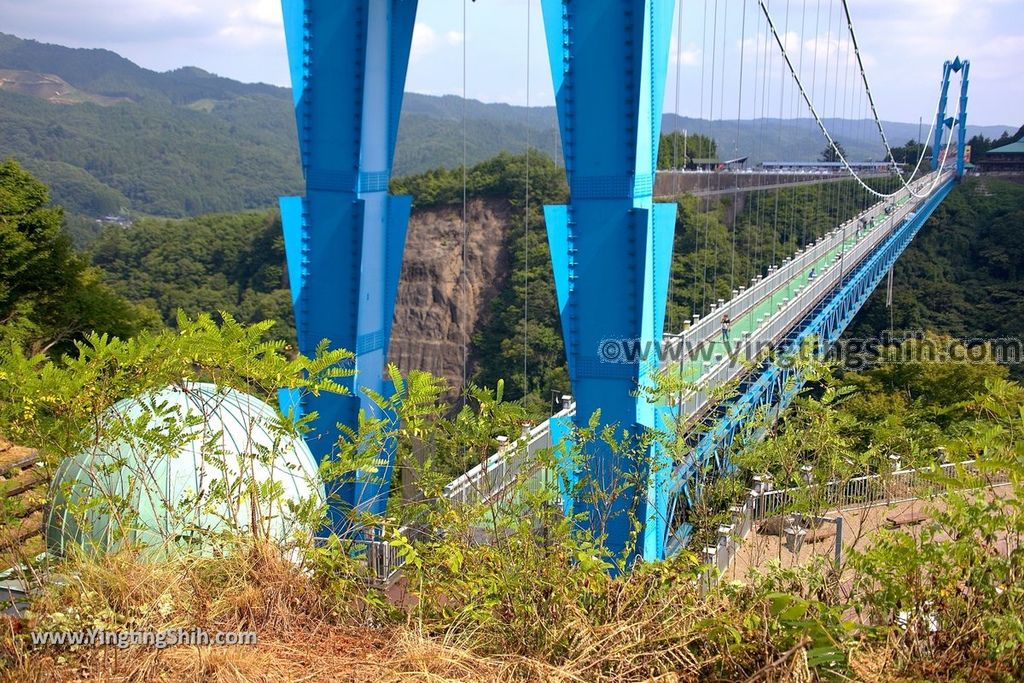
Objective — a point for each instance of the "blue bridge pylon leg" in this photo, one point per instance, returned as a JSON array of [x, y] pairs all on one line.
[[963, 67], [345, 238], [611, 246]]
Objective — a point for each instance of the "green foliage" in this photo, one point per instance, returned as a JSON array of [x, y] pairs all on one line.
[[949, 597], [242, 495], [833, 154], [980, 145], [227, 262], [49, 296], [963, 275], [678, 150], [154, 158], [498, 348], [503, 176], [53, 404], [910, 153], [914, 402], [515, 578]]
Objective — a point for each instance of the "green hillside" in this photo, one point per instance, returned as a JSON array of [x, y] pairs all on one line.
[[107, 135]]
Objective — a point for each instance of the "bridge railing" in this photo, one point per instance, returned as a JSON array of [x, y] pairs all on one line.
[[698, 332], [492, 477], [896, 487], [776, 324], [495, 475]]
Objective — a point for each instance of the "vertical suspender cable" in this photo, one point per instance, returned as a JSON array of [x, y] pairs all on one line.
[[707, 215], [707, 226], [526, 215], [465, 223], [739, 113], [674, 308], [721, 117], [792, 110], [766, 72]]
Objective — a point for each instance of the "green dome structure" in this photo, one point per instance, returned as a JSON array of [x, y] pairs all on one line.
[[183, 469]]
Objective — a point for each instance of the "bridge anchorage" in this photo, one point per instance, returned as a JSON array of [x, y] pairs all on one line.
[[611, 249]]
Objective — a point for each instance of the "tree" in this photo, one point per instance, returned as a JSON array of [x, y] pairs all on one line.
[[910, 152], [832, 154], [678, 150], [49, 295]]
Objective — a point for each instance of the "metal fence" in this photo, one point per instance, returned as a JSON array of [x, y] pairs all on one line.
[[899, 486], [492, 478]]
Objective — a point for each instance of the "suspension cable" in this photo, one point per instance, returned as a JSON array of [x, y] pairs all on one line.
[[871, 99], [739, 113], [526, 216], [465, 223], [864, 76], [821, 124]]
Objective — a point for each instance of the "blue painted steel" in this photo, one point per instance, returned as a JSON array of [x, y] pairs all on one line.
[[561, 435], [611, 245], [940, 116], [942, 122], [344, 240], [774, 385], [962, 123]]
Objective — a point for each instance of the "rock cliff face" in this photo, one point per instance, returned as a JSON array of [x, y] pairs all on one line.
[[438, 309]]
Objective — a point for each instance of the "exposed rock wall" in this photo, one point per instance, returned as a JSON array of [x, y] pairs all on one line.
[[438, 310]]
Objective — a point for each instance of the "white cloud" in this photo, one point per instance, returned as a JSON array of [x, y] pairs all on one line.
[[424, 41], [903, 43]]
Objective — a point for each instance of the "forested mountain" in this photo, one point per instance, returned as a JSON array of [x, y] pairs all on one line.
[[217, 262], [107, 135], [963, 275], [50, 297]]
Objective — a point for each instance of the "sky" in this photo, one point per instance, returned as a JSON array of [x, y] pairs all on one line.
[[902, 42]]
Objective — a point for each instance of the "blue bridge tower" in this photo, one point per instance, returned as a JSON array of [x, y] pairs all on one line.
[[345, 238], [963, 67], [611, 246]]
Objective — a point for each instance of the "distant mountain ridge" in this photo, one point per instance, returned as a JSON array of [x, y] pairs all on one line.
[[108, 135]]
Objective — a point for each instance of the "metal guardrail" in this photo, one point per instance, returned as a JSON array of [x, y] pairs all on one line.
[[872, 489], [492, 477], [704, 328], [868, 490], [773, 327]]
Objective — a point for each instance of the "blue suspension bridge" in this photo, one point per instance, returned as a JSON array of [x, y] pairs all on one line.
[[611, 245]]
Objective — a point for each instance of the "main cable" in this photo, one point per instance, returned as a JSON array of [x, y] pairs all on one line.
[[821, 124]]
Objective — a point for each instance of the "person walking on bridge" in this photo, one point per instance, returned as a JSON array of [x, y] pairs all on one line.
[[726, 323]]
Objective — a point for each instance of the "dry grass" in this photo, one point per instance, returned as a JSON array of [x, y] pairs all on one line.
[[306, 634], [645, 628]]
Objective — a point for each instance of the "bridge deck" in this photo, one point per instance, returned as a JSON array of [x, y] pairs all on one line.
[[747, 323], [770, 307]]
